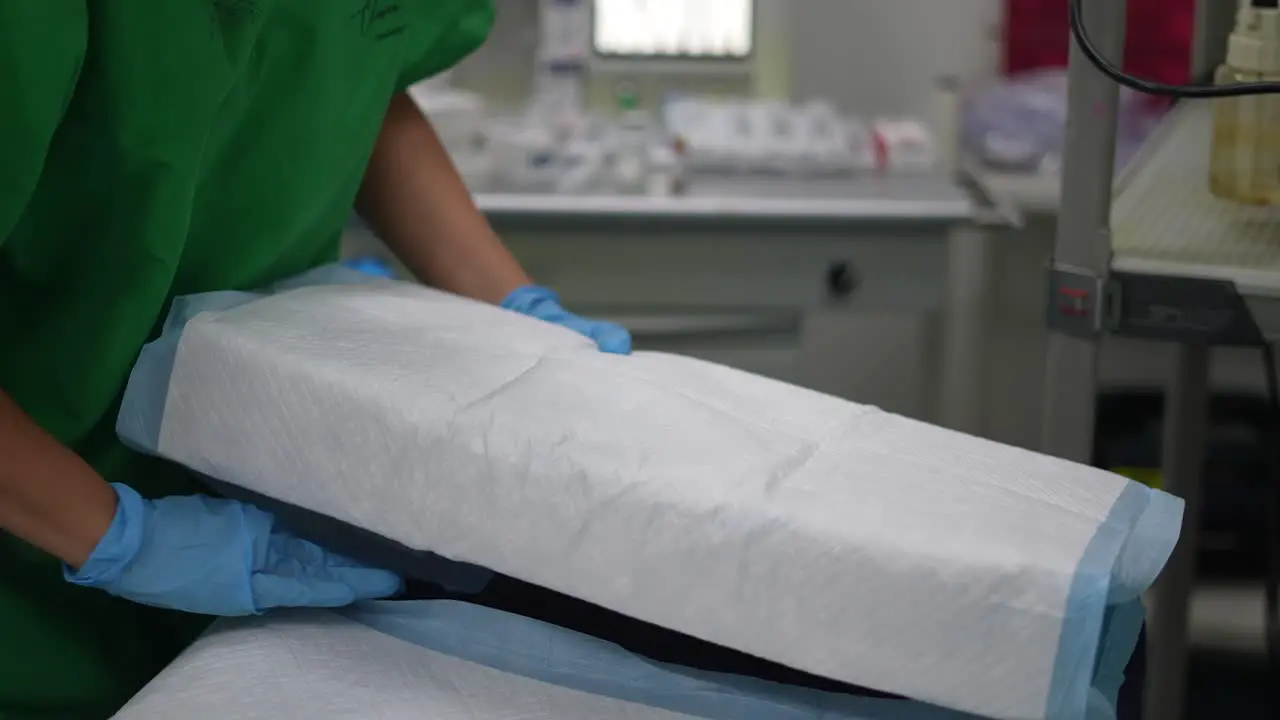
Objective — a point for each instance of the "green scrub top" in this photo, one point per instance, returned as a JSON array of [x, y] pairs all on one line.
[[153, 148]]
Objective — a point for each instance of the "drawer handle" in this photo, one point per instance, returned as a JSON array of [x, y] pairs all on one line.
[[842, 280], [684, 326]]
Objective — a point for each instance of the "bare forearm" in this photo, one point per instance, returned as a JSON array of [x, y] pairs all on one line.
[[416, 201], [48, 495]]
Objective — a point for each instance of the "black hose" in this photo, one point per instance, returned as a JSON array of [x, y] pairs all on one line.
[[1081, 35]]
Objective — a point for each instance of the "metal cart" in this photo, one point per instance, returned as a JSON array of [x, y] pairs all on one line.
[[1154, 257]]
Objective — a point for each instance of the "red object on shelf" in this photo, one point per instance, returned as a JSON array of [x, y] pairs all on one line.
[[1157, 47]]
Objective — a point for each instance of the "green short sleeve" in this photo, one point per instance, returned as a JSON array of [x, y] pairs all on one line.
[[42, 45], [462, 27]]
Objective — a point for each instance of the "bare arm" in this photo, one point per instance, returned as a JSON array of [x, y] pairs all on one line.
[[416, 201], [48, 495]]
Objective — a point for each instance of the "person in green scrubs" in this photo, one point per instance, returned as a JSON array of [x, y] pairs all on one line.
[[156, 148]]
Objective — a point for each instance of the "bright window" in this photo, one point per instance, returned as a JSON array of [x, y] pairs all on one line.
[[674, 28]]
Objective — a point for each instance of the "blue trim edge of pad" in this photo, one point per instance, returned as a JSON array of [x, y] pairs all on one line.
[[564, 658], [1104, 612]]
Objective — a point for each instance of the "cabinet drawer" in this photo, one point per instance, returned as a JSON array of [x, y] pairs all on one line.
[[778, 363], [766, 343], [626, 266], [629, 265]]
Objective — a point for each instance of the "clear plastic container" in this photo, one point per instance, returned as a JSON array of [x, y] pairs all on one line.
[[1244, 160], [632, 147], [1244, 163]]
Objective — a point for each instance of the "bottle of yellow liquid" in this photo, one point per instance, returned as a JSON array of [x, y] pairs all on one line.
[[1244, 165]]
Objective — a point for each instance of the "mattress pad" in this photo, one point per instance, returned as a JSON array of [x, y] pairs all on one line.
[[317, 666], [454, 661], [828, 536]]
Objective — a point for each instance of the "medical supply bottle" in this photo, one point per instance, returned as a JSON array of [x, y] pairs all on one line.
[[1244, 162], [632, 146]]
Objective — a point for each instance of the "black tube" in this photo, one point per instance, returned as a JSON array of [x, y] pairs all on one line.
[[1095, 56]]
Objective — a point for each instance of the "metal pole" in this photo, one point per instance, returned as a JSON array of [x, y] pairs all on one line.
[[961, 403], [964, 330], [1214, 20], [1083, 240], [1186, 411]]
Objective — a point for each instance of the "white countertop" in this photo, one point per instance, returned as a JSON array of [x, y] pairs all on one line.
[[1028, 192], [901, 199]]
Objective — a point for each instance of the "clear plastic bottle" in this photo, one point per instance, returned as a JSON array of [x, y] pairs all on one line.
[[1244, 162], [632, 146]]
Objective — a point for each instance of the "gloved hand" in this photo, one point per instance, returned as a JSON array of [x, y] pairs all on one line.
[[542, 303], [218, 557]]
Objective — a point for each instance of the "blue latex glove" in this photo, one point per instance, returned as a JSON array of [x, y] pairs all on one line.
[[218, 557], [542, 303]]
